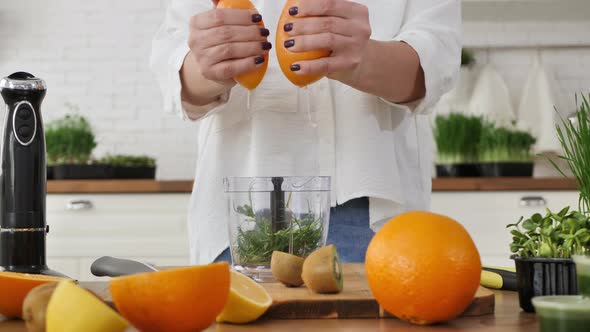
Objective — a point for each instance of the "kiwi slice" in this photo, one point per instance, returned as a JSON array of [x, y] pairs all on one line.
[[35, 306], [322, 271], [286, 268]]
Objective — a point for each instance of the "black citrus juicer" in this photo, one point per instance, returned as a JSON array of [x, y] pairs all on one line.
[[23, 228]]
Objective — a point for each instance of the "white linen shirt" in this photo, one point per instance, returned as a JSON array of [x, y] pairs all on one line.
[[369, 146]]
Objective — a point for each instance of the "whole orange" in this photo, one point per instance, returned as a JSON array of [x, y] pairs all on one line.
[[423, 267]]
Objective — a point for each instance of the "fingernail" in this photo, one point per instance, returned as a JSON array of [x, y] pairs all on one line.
[[256, 18], [288, 27], [289, 43], [264, 32], [295, 67], [266, 46], [259, 60], [293, 11]]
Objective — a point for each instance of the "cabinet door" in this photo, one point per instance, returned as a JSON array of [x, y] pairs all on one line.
[[486, 214], [68, 266], [152, 225]]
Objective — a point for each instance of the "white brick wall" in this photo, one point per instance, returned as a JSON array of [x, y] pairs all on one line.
[[564, 48], [94, 56]]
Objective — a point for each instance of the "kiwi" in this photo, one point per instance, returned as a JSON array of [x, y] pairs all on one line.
[[287, 268], [322, 271], [35, 305]]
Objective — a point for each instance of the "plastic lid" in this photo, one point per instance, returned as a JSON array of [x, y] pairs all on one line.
[[267, 184], [582, 264], [563, 306], [22, 81]]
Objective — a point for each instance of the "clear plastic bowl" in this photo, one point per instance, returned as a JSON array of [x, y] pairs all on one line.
[[567, 313], [289, 214], [583, 274]]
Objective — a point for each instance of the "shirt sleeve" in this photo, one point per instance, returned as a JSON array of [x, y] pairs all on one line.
[[169, 49], [433, 29]]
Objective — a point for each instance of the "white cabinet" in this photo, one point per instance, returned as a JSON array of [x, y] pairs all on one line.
[[83, 227], [486, 214]]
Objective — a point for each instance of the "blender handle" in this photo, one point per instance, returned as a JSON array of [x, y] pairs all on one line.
[[79, 204]]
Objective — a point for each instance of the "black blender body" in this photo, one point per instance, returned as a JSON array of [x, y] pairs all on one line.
[[23, 227]]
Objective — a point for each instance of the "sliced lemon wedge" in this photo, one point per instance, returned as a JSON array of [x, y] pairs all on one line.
[[74, 309], [247, 300]]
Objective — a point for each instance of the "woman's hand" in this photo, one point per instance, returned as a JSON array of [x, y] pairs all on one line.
[[227, 42], [340, 26]]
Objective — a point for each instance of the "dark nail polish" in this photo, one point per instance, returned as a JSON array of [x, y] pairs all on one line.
[[288, 27], [295, 67], [259, 60], [293, 11], [256, 18], [264, 32], [289, 43], [266, 46]]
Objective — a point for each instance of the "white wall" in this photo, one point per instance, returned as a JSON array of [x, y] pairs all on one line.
[[94, 55]]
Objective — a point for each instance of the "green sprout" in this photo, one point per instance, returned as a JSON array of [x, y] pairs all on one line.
[[457, 138], [499, 144], [575, 142], [555, 235]]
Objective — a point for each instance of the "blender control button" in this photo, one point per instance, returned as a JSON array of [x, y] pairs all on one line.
[[24, 131], [24, 113]]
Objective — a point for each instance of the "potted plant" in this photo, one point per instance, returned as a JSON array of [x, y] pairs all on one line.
[[70, 142], [505, 152], [457, 137], [543, 245], [131, 167]]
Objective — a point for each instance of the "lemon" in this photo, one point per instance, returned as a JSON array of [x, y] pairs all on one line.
[[247, 300], [74, 309]]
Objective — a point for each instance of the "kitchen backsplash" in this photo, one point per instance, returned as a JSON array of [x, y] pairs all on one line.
[[94, 56]]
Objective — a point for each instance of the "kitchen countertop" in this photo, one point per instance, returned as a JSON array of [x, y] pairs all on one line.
[[508, 318], [440, 184]]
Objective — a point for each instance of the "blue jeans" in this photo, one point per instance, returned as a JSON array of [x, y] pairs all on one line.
[[349, 231]]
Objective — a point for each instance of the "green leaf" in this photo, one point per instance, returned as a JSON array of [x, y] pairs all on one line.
[[547, 231], [566, 236], [547, 222], [537, 218], [563, 211], [529, 225]]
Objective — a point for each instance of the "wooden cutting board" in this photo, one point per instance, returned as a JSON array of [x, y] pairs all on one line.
[[356, 300]]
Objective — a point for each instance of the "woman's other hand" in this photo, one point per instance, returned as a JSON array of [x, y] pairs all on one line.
[[340, 26]]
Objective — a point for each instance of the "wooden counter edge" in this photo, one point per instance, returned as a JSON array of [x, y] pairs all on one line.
[[502, 184], [117, 186], [186, 186]]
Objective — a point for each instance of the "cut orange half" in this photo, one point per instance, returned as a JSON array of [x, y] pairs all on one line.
[[178, 300], [14, 287], [252, 79]]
